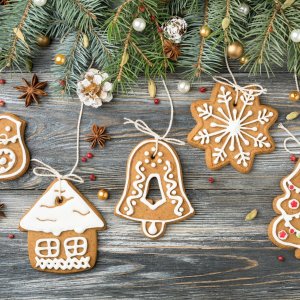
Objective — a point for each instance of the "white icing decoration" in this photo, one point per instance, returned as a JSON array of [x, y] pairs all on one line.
[[78, 247], [159, 161], [146, 153], [171, 176], [137, 176], [152, 229], [136, 185], [133, 202], [75, 214], [173, 192], [63, 264], [181, 209], [160, 154], [3, 161], [4, 140], [144, 196], [142, 169], [173, 199], [284, 216], [11, 162], [52, 247], [141, 186], [7, 128], [147, 161], [233, 128], [126, 208], [133, 192], [153, 149], [153, 165]]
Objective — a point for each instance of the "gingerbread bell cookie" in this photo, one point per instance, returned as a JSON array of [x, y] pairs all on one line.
[[232, 127], [14, 155], [154, 160], [62, 230]]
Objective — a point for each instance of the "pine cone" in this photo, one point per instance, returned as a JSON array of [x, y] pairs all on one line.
[[171, 50]]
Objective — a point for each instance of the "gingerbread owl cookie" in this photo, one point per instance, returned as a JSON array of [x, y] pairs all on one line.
[[62, 230], [232, 127], [154, 160], [14, 155]]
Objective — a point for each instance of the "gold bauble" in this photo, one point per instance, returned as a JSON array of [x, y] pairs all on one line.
[[102, 194], [294, 96], [60, 59], [43, 40], [205, 31], [244, 60], [235, 50]]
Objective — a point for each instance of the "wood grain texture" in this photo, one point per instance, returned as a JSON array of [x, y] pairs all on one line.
[[213, 255]]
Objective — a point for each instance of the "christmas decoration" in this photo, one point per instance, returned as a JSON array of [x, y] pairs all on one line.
[[2, 81], [205, 31], [32, 91], [295, 35], [211, 180], [139, 24], [92, 177], [2, 103], [151, 88], [60, 59], [89, 155], [294, 96], [156, 101], [284, 230], [202, 89], [102, 194], [97, 136], [244, 8], [293, 158], [39, 2], [14, 155], [244, 60], [184, 86], [174, 29], [43, 40], [232, 127], [11, 236], [280, 258], [235, 50], [171, 50], [95, 88], [154, 159]]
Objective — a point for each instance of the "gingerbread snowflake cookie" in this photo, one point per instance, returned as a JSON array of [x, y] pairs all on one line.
[[284, 230], [14, 155], [145, 164], [232, 128], [62, 230]]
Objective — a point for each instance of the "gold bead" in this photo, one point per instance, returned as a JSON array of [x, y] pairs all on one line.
[[244, 60], [235, 50], [43, 40], [60, 59], [205, 31], [294, 96], [102, 194]]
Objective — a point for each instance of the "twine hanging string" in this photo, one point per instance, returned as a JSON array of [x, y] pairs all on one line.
[[47, 171], [141, 126], [291, 138], [296, 81], [253, 89]]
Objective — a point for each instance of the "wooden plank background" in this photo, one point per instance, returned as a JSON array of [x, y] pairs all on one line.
[[213, 255]]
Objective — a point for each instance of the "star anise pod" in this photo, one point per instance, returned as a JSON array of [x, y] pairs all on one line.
[[3, 2], [171, 50], [32, 91], [97, 136], [2, 214]]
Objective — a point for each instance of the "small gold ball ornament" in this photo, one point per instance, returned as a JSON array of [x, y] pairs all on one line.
[[102, 194], [205, 31], [60, 59], [43, 40], [294, 96], [235, 50], [244, 60]]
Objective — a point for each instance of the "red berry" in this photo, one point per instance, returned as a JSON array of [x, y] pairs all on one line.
[[280, 258], [62, 82], [156, 101], [159, 29], [211, 180], [11, 236], [293, 158], [152, 18], [83, 159], [142, 8], [92, 177], [292, 231], [202, 89], [2, 81], [89, 155], [2, 102]]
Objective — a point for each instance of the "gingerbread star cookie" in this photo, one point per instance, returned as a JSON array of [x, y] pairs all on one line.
[[232, 128]]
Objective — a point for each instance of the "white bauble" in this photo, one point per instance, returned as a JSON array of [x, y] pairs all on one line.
[[39, 2], [184, 86], [244, 9], [139, 24], [295, 35]]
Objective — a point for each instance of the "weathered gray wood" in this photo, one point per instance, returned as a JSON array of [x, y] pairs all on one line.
[[214, 255]]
